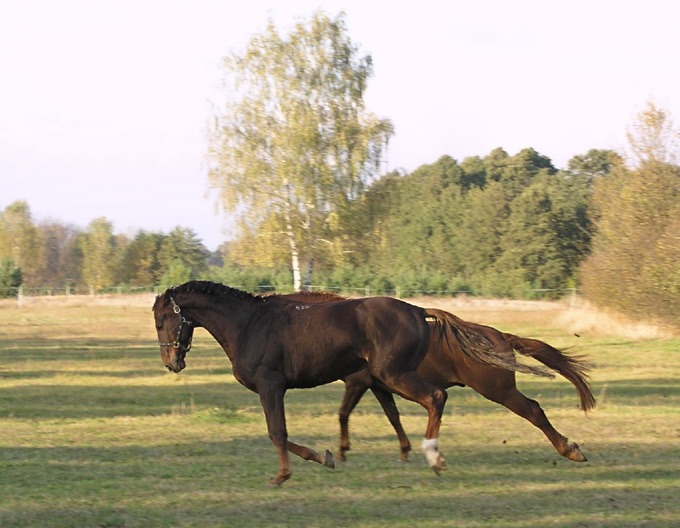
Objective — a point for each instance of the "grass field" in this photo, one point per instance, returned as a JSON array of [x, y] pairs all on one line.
[[95, 433]]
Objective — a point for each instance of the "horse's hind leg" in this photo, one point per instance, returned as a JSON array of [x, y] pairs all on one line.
[[355, 387], [529, 409], [386, 400]]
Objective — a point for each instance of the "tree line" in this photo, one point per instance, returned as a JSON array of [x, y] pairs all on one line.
[[295, 151], [296, 143], [53, 255], [493, 225], [497, 225]]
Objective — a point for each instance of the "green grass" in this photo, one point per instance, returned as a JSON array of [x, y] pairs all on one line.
[[95, 433]]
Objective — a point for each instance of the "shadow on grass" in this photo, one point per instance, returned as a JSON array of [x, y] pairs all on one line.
[[225, 484], [88, 349], [106, 399], [77, 402]]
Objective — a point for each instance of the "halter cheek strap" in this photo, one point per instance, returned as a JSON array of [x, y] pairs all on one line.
[[182, 321]]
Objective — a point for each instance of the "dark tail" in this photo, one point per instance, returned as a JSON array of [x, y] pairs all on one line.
[[475, 342], [573, 368], [488, 346]]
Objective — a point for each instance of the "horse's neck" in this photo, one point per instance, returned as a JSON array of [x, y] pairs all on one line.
[[221, 316]]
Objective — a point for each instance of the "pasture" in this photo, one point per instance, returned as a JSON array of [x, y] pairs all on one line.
[[94, 432]]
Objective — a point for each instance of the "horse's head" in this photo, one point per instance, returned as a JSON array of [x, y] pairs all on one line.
[[175, 332]]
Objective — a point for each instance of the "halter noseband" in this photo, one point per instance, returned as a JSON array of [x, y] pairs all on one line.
[[182, 321]]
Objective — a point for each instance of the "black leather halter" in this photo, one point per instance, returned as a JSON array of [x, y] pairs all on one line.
[[182, 321]]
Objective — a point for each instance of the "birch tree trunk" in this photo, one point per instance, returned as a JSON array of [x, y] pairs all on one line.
[[294, 252]]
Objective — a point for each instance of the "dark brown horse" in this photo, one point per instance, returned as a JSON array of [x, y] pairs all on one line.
[[491, 373], [276, 344]]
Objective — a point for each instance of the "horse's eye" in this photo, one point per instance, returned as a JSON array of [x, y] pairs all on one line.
[[159, 326]]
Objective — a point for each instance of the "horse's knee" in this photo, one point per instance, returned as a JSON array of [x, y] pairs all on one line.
[[343, 416], [278, 439]]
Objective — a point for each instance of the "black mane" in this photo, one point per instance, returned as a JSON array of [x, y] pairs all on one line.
[[211, 288]]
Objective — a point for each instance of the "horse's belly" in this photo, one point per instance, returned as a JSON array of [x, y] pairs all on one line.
[[310, 370]]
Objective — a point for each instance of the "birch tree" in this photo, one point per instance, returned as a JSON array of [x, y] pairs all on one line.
[[294, 139]]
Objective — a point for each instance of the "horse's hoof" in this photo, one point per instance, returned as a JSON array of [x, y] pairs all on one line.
[[439, 465], [575, 454], [328, 460], [340, 456], [279, 479]]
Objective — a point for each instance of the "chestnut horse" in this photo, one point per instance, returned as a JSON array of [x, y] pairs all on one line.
[[447, 364], [276, 344]]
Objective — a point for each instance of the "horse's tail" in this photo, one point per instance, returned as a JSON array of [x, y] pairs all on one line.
[[573, 368], [475, 343]]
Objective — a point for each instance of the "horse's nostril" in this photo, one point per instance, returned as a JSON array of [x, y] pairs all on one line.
[[168, 367]]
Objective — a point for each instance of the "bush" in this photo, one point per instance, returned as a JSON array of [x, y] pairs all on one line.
[[251, 279], [10, 278], [178, 273]]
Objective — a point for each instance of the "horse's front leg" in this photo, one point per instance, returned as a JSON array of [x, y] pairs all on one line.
[[325, 458], [272, 390]]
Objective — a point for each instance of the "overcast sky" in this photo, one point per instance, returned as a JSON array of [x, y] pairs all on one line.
[[104, 104]]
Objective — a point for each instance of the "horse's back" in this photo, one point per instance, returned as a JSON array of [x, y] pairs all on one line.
[[397, 332]]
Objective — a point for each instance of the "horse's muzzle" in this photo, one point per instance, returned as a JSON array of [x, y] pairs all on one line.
[[176, 366]]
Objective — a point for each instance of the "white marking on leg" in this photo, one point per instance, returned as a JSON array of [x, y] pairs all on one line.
[[431, 450]]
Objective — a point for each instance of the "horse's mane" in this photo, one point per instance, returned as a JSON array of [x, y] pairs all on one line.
[[220, 290], [311, 296], [211, 288]]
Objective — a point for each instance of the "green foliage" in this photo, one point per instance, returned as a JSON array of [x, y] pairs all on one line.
[[251, 279], [63, 257], [98, 250], [176, 274], [500, 225], [20, 240], [496, 226], [594, 163], [480, 231], [184, 245], [546, 233], [10, 278], [354, 280], [140, 265]]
